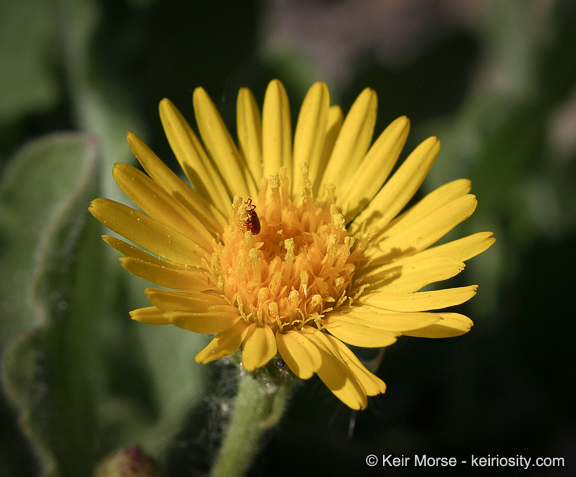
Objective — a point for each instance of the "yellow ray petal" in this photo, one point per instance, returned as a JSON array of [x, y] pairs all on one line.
[[150, 315], [360, 335], [353, 141], [358, 190], [333, 126], [379, 319], [464, 249], [204, 177], [160, 205], [259, 347], [276, 130], [249, 127], [207, 323], [420, 301], [401, 187], [301, 356], [206, 212], [169, 277], [412, 273], [147, 232], [436, 199], [367, 179], [372, 384], [223, 344], [136, 254], [452, 324], [131, 251], [310, 131], [221, 147], [168, 300], [413, 237], [335, 374]]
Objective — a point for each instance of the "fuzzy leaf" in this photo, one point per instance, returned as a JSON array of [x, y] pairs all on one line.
[[77, 369], [48, 370]]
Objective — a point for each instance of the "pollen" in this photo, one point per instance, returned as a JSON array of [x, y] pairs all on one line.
[[299, 266]]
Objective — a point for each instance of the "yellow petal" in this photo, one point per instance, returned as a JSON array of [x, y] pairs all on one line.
[[223, 344], [249, 127], [379, 320], [134, 252], [413, 237], [434, 200], [138, 255], [367, 179], [310, 131], [200, 171], [357, 334], [150, 315], [200, 206], [150, 234], [276, 130], [335, 119], [463, 249], [420, 301], [221, 147], [353, 141], [452, 324], [301, 356], [168, 300], [402, 185], [160, 205], [204, 322], [167, 276], [259, 347], [372, 384], [335, 374], [412, 273]]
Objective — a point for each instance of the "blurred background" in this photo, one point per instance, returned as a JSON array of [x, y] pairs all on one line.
[[494, 80]]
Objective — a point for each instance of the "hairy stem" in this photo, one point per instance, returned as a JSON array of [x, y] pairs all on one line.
[[258, 408]]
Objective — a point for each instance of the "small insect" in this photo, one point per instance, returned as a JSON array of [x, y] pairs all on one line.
[[252, 222]]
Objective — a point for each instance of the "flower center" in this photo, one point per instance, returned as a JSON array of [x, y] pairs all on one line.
[[300, 264]]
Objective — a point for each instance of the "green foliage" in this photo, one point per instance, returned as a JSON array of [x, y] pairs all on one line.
[[48, 370], [37, 195], [83, 378], [28, 80], [501, 137]]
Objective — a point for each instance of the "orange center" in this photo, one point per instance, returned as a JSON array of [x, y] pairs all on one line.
[[300, 264]]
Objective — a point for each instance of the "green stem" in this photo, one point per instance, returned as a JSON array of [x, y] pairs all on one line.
[[258, 408]]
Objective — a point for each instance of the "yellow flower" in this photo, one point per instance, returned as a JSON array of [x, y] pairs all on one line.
[[334, 259]]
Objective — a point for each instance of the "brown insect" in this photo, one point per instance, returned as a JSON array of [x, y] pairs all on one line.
[[252, 222]]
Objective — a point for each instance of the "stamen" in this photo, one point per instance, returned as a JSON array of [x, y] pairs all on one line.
[[304, 282], [337, 218], [301, 263], [255, 263]]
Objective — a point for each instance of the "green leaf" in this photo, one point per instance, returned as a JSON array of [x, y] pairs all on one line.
[[78, 370], [48, 370], [27, 78], [101, 107], [106, 111], [35, 193]]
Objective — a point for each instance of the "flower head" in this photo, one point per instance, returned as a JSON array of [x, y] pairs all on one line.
[[297, 246]]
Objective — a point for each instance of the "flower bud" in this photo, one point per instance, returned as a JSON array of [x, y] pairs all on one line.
[[129, 461]]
